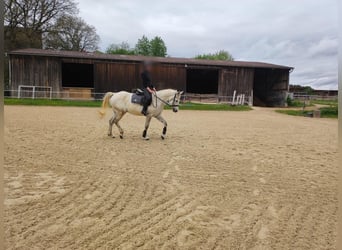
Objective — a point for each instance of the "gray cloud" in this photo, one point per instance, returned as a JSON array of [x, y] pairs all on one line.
[[301, 34]]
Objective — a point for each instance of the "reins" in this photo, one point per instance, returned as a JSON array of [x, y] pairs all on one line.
[[166, 103]]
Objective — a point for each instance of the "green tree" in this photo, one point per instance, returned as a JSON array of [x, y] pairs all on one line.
[[72, 33], [143, 46], [158, 47], [35, 16], [219, 55], [26, 21], [120, 49]]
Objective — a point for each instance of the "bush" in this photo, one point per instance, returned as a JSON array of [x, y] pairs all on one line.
[[329, 112], [296, 103], [289, 101]]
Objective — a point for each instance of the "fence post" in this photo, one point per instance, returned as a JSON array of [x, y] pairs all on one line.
[[33, 91], [234, 93]]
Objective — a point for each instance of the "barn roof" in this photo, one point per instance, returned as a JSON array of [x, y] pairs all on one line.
[[131, 58]]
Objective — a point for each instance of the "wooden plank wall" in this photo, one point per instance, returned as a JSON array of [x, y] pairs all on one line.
[[239, 79], [126, 76], [169, 76], [78, 93], [116, 76], [35, 71]]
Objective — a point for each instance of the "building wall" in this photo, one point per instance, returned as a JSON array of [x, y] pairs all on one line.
[[269, 86], [115, 76], [169, 76], [35, 71], [126, 76], [239, 79]]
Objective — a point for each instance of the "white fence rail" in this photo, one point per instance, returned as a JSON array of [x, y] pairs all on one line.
[[37, 92], [34, 89], [236, 99], [313, 97]]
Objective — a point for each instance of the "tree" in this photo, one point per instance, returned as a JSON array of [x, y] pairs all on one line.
[[220, 55], [143, 46], [299, 88], [36, 15], [158, 47], [72, 33], [120, 49]]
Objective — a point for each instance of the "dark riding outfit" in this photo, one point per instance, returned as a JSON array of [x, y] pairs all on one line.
[[145, 76]]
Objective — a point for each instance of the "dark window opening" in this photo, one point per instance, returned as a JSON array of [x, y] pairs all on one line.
[[260, 87], [202, 81], [270, 87], [78, 75]]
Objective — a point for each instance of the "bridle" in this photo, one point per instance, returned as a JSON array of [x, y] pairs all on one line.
[[173, 105]]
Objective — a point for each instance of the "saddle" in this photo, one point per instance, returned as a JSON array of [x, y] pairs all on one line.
[[138, 97]]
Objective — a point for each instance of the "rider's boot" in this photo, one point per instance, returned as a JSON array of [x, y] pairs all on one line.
[[144, 110]]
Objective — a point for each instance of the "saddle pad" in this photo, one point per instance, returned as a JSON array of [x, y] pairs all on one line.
[[138, 99]]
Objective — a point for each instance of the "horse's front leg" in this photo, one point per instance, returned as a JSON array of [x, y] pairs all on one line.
[[147, 124], [162, 120]]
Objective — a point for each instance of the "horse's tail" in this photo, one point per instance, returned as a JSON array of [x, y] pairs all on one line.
[[105, 103]]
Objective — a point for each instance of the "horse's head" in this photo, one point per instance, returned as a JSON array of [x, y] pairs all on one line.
[[175, 101], [170, 97]]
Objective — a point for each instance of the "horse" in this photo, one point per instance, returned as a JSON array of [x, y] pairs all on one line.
[[121, 104]]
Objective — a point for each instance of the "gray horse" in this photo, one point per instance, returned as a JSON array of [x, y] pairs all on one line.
[[121, 104]]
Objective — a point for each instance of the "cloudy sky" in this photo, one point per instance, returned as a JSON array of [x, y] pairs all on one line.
[[298, 33]]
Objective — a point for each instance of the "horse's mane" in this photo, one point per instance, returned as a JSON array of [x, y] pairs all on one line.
[[164, 91]]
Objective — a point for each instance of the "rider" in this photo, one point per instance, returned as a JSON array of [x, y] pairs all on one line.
[[148, 88]]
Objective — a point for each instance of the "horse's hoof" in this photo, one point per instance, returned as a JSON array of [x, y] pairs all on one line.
[[113, 136], [146, 138], [121, 136], [163, 137]]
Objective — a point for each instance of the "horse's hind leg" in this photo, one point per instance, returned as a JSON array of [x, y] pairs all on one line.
[[147, 124], [111, 122], [116, 121], [162, 120]]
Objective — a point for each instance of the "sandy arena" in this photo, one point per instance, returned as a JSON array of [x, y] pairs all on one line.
[[221, 180]]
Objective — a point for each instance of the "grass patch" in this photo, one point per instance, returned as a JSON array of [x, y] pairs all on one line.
[[326, 112], [329, 112], [52, 102], [298, 103], [325, 102], [97, 104], [203, 106]]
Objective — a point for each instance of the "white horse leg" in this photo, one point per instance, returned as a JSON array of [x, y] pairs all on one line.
[[162, 120], [147, 124], [116, 121], [111, 122]]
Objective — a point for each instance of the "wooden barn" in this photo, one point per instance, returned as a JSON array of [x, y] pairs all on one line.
[[92, 74]]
